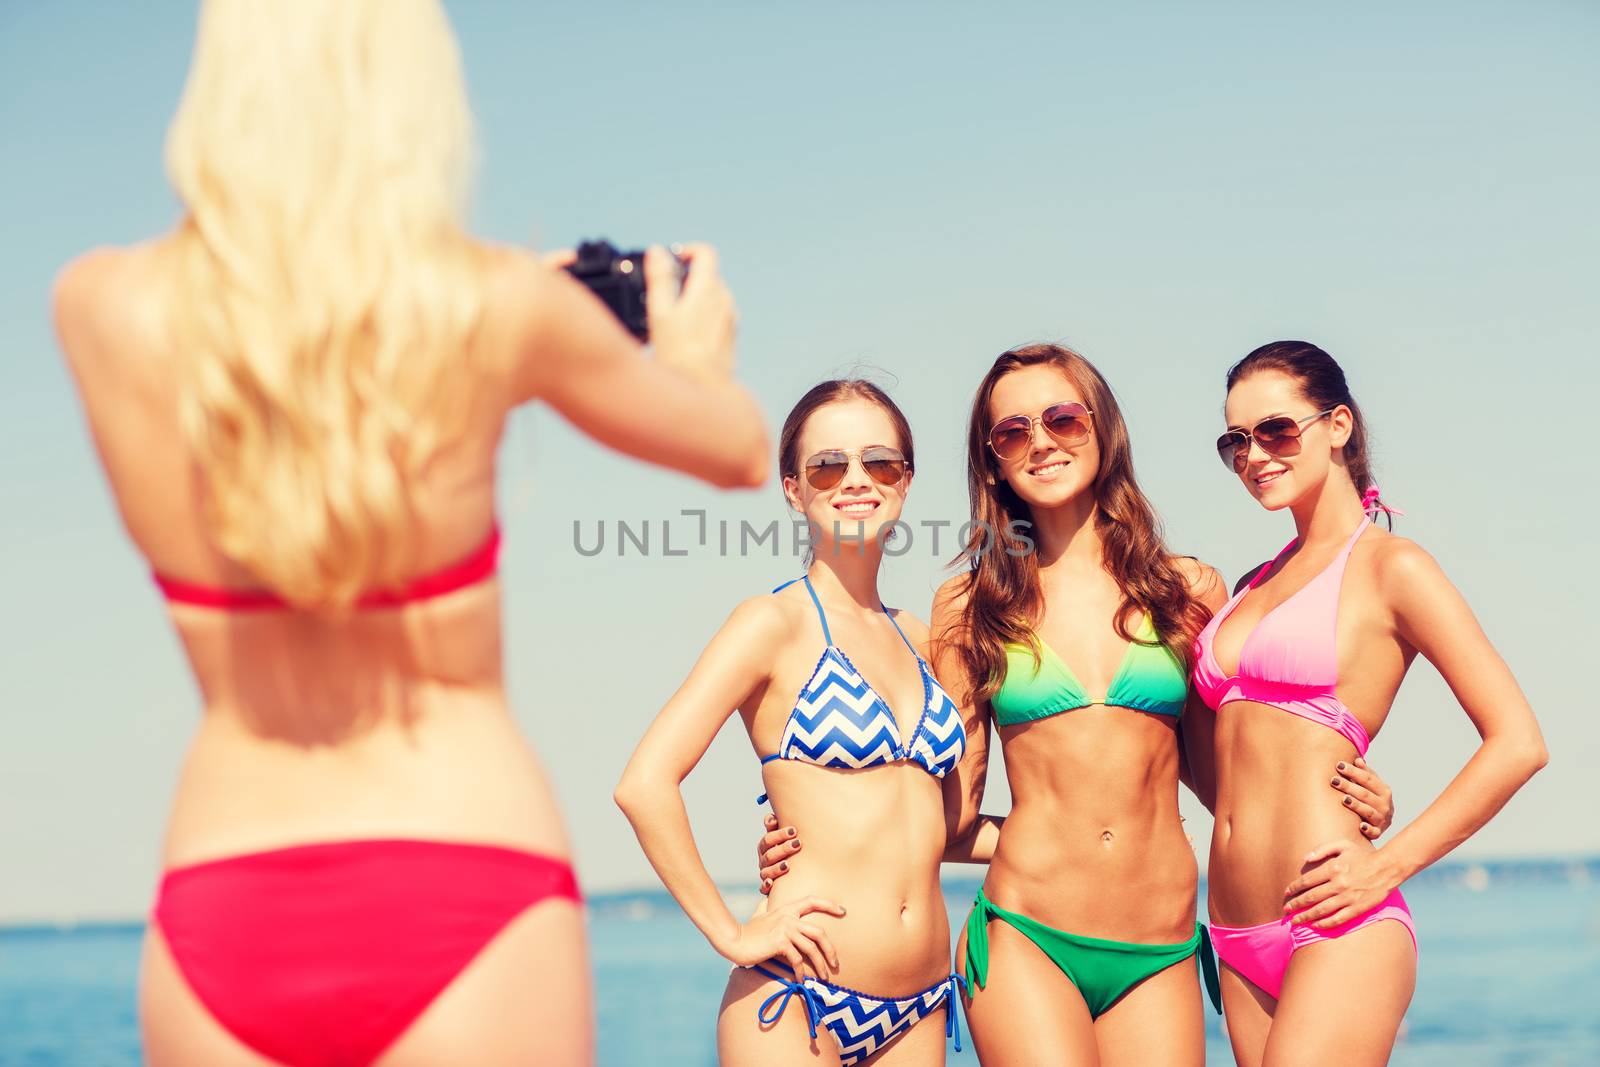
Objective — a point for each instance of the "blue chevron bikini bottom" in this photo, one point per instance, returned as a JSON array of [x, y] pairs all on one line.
[[861, 1024]]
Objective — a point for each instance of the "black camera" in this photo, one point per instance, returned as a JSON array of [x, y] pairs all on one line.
[[617, 278]]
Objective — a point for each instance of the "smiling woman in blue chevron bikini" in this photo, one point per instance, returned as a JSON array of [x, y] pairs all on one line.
[[851, 951]]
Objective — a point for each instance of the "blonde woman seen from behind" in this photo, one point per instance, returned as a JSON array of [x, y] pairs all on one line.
[[297, 395]]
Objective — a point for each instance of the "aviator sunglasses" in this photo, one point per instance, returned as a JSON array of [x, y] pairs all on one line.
[[883, 464], [1012, 437], [1277, 436]]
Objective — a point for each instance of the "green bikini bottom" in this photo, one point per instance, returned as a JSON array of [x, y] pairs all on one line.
[[1102, 970]]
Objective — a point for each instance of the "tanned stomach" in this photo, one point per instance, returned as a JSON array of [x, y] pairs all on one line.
[[870, 842], [1094, 845], [1273, 807]]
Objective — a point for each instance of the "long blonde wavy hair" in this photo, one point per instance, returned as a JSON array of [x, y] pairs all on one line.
[[329, 296]]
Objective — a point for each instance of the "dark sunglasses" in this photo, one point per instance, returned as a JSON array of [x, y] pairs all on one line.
[[1277, 436], [1068, 423], [883, 464]]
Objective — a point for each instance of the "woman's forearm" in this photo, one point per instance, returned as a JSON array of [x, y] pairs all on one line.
[[661, 822], [1500, 767], [977, 845]]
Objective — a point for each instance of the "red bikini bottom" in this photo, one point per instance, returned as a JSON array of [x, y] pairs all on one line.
[[322, 955]]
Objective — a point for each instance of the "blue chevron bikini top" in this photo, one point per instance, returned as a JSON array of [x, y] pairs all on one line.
[[839, 720]]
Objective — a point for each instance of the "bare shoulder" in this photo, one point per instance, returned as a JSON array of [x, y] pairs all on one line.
[[948, 619], [519, 290], [78, 296], [104, 301], [951, 597], [1205, 581], [83, 275], [1402, 566], [767, 619], [516, 277], [545, 326]]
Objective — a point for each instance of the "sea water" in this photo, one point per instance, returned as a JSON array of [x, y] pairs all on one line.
[[1509, 974]]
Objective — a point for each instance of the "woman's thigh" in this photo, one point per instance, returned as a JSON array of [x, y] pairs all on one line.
[[743, 1040], [1247, 1016], [1160, 1020], [1343, 1000], [1028, 1012]]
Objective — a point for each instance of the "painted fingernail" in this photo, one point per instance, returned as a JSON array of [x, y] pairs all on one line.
[[1365, 828], [1347, 802], [1341, 766], [1334, 783], [791, 831], [784, 866]]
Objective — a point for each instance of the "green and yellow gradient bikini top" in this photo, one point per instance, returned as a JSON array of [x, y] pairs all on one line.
[[1150, 679]]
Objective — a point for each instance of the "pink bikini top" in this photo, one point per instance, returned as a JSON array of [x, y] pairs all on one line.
[[1290, 660], [478, 566]]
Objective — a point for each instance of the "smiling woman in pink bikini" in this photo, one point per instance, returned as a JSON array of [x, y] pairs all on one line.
[[1301, 667]]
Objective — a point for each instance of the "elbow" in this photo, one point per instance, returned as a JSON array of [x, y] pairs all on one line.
[[749, 468], [754, 476], [629, 795], [958, 831], [752, 456], [1535, 756], [1526, 755]]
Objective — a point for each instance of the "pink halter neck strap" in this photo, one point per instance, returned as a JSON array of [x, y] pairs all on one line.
[[1371, 504]]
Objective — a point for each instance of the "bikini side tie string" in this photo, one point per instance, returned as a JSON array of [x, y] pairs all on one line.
[[791, 987]]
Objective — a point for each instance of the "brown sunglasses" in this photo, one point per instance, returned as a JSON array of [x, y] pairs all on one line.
[[1012, 436], [883, 464], [1277, 436]]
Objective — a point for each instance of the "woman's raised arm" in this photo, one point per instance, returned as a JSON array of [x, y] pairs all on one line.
[[676, 403]]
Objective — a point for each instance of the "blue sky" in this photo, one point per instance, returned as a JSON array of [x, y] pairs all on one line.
[[906, 190]]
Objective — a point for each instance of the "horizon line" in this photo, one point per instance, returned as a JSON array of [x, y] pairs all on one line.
[[622, 894]]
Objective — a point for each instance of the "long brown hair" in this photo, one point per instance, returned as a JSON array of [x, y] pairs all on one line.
[[1004, 599], [1322, 383]]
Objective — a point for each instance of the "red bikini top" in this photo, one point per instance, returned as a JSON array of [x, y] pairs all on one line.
[[479, 566]]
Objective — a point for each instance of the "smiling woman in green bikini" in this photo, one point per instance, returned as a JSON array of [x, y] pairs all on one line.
[[1073, 947]]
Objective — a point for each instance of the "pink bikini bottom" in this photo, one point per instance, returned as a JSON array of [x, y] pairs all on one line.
[[1261, 953]]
